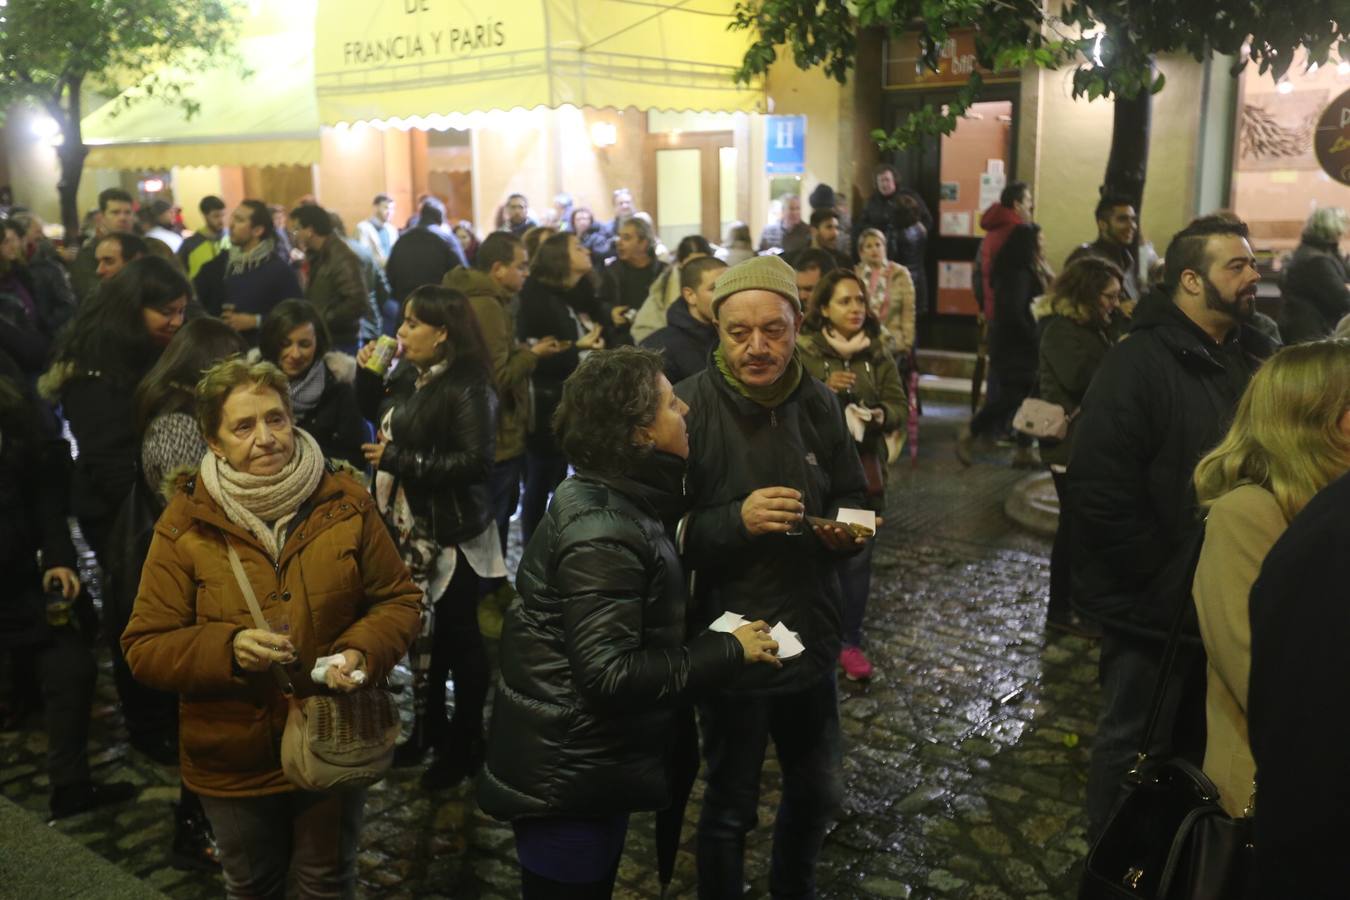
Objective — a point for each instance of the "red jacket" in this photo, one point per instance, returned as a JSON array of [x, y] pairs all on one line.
[[998, 222]]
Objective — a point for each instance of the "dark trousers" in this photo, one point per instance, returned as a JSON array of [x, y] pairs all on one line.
[[458, 649], [1061, 559], [804, 727], [544, 471], [150, 715], [505, 484], [855, 576], [534, 886], [66, 673], [262, 839], [1007, 390]]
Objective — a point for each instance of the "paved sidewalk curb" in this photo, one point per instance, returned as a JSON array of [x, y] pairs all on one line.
[[1032, 503]]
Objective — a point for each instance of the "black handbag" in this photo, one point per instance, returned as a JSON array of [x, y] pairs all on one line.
[[1168, 838], [129, 543]]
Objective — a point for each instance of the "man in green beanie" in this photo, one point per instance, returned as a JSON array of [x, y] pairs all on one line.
[[768, 446]]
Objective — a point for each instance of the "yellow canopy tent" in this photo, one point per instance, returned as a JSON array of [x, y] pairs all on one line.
[[401, 60], [268, 118]]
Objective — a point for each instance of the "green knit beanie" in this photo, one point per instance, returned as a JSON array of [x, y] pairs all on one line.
[[759, 273]]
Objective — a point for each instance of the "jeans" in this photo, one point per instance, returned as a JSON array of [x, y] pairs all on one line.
[[262, 839], [855, 575], [804, 727], [505, 485], [458, 648], [1061, 555], [544, 471]]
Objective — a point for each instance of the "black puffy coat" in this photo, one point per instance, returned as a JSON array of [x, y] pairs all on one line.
[[1013, 340], [444, 437], [594, 659], [738, 447], [420, 256], [336, 421], [547, 311], [685, 342], [1162, 398], [1314, 293]]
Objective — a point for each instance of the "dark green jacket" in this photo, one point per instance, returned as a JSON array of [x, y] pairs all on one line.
[[1071, 352]]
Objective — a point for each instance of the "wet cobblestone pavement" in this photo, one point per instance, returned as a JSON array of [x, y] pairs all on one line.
[[965, 755]]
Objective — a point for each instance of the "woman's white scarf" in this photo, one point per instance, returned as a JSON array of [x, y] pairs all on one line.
[[252, 501]]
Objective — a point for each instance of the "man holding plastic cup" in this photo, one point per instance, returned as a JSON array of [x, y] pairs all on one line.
[[769, 447]]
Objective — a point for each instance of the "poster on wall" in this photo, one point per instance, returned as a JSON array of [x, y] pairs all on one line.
[[1276, 131]]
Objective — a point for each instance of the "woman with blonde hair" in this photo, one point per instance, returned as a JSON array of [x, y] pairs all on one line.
[[1289, 439], [890, 288]]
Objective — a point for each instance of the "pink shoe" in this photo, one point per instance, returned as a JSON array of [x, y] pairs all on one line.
[[856, 666]]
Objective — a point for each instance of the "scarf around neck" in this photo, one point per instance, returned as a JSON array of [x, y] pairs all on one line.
[[847, 349], [308, 389], [241, 261], [253, 501], [768, 396]]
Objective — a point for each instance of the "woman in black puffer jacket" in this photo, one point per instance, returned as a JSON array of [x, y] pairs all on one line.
[[594, 659], [437, 420]]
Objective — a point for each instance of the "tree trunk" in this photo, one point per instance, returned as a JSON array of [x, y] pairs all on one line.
[[1128, 163], [71, 153]]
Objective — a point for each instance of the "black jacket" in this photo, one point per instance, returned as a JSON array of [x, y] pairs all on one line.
[[594, 659], [685, 342], [1162, 398], [738, 447], [1296, 712], [547, 312], [419, 256], [1013, 341], [444, 436], [336, 421], [1315, 296]]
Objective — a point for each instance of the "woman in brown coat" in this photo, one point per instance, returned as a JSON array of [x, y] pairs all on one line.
[[329, 581], [1289, 439]]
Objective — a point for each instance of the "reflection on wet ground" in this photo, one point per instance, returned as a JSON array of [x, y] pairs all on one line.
[[965, 755]]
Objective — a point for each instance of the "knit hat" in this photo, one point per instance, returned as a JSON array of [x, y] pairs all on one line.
[[822, 197], [758, 273]]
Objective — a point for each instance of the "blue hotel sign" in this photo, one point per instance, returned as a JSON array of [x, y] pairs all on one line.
[[785, 145]]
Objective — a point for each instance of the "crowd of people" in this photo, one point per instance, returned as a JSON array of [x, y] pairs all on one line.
[[677, 433]]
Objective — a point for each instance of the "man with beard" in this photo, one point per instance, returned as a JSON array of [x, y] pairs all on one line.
[[1161, 399], [243, 284], [115, 216], [1117, 228]]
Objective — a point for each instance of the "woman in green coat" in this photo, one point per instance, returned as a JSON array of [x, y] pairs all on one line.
[[1080, 320], [841, 344]]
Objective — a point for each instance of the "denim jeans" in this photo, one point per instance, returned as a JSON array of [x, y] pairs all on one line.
[[544, 471], [804, 727], [855, 575], [262, 838]]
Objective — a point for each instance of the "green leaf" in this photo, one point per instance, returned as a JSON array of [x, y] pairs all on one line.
[[1158, 83]]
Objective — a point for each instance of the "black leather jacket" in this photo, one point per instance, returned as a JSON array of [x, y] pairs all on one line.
[[593, 655], [444, 439]]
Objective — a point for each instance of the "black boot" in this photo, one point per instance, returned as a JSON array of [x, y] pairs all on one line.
[[412, 751], [194, 843], [73, 799]]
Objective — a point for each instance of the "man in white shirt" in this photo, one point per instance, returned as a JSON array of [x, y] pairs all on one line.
[[378, 233]]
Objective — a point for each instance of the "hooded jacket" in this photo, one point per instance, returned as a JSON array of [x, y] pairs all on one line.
[[1162, 398], [512, 364], [998, 222], [594, 659], [1314, 293], [685, 342], [738, 446], [339, 583]]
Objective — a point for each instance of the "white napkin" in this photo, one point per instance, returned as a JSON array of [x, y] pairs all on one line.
[[857, 417], [789, 642], [319, 674]]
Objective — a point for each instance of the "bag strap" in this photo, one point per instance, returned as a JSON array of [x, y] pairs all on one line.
[[1169, 657], [237, 566]]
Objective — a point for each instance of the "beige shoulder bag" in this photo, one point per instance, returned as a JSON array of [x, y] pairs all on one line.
[[331, 740]]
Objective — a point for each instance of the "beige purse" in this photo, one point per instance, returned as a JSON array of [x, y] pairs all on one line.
[[331, 740], [1041, 419]]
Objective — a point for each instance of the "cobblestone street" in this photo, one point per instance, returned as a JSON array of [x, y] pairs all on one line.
[[965, 756]]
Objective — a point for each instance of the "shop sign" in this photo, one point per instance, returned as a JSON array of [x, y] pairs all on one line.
[[956, 62], [1331, 140], [785, 145]]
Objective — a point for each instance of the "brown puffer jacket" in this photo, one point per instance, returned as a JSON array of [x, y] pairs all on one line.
[[340, 583]]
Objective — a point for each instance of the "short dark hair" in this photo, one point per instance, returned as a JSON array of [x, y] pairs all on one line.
[[521, 197], [133, 246], [170, 384], [108, 195], [820, 216], [691, 273], [691, 244], [604, 400], [814, 258], [1189, 247], [824, 292], [260, 216], [1013, 194], [443, 307], [381, 198], [314, 218], [431, 212], [209, 204], [498, 247], [1109, 202], [284, 318]]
